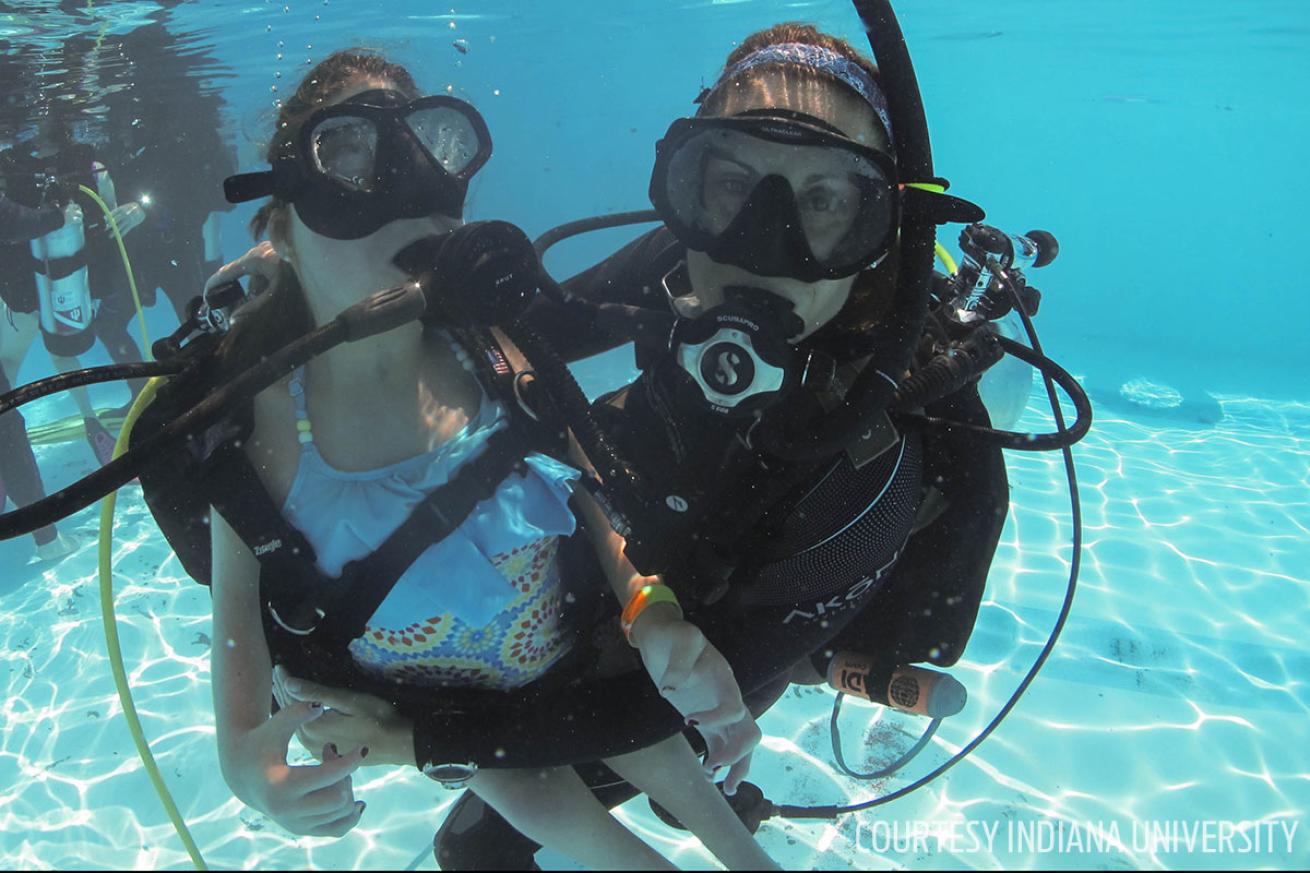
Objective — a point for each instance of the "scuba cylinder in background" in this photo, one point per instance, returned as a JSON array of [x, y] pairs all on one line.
[[1004, 386], [63, 292]]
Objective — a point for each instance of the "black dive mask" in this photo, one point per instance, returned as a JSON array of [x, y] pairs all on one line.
[[739, 354], [373, 159], [777, 194]]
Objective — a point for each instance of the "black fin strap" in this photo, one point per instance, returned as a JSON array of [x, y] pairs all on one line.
[[365, 583]]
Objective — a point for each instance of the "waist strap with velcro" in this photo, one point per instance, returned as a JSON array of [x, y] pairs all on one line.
[[330, 612]]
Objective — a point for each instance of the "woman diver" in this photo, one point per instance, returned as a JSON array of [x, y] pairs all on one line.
[[354, 446], [777, 264]]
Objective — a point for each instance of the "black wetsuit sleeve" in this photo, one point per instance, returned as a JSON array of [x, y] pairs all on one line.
[[622, 278], [20, 223], [926, 609]]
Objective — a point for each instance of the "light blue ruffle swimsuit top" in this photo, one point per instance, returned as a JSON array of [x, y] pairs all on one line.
[[347, 515]]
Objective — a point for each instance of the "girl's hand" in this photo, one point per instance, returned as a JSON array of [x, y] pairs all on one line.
[[695, 677], [261, 262], [316, 800], [352, 719]]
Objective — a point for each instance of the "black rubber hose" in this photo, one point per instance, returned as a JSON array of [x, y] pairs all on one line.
[[25, 394], [948, 373], [1031, 442], [586, 225], [573, 406], [126, 467], [381, 312]]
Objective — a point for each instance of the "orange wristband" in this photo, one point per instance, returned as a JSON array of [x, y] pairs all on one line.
[[645, 596]]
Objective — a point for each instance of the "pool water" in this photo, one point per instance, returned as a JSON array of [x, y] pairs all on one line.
[[1173, 708]]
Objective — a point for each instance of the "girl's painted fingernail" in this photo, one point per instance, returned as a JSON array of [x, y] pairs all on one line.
[[691, 722], [333, 747], [314, 704], [363, 753], [363, 805]]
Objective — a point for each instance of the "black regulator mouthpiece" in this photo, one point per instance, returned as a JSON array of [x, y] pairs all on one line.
[[484, 272]]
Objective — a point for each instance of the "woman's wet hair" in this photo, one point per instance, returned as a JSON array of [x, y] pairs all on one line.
[[281, 311]]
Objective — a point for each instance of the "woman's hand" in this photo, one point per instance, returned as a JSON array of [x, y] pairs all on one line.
[[316, 800], [352, 719], [261, 262], [695, 677]]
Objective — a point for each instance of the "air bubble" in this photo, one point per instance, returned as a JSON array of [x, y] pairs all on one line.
[[495, 93], [279, 56]]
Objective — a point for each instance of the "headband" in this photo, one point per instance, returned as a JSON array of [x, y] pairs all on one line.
[[822, 60]]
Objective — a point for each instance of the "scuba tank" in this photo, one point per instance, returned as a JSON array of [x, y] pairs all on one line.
[[1005, 385], [64, 295]]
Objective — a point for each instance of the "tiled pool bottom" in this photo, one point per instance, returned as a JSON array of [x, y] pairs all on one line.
[[1176, 697]]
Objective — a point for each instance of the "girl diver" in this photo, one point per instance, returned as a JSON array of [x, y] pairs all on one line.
[[347, 446]]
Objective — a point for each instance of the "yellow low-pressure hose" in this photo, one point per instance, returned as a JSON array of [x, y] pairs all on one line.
[[127, 264], [945, 257], [111, 633]]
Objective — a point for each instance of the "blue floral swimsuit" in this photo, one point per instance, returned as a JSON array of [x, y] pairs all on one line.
[[478, 608]]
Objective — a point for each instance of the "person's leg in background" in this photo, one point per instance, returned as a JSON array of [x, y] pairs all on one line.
[[116, 312], [19, 473], [64, 350]]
